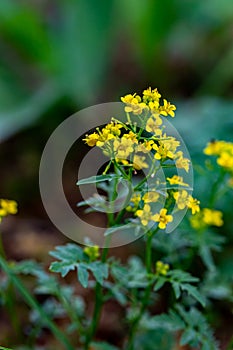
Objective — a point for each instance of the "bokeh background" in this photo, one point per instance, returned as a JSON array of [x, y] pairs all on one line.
[[58, 57]]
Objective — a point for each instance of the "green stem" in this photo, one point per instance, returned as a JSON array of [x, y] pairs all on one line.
[[215, 188], [35, 305], [10, 299], [146, 298], [99, 300]]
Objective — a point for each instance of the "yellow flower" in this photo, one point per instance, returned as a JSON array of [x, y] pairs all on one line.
[[161, 268], [92, 252], [183, 163], [7, 207], [145, 215], [163, 151], [134, 202], [176, 180], [131, 99], [91, 139], [151, 95], [154, 108], [138, 162], [114, 128], [131, 136], [133, 104], [167, 108], [214, 148], [150, 196], [226, 160], [182, 199], [162, 218], [145, 147], [212, 217], [123, 147], [153, 125], [193, 204]]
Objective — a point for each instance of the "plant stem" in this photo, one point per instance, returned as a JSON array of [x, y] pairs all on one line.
[[32, 302], [145, 300], [10, 299], [98, 306], [215, 188]]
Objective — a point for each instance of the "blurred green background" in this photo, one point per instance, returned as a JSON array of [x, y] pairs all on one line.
[[58, 57]]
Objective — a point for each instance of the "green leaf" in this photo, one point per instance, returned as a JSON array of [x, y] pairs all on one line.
[[97, 178], [159, 283], [62, 267], [192, 291], [187, 336], [83, 275], [99, 270], [118, 228], [2, 348], [176, 288], [70, 253]]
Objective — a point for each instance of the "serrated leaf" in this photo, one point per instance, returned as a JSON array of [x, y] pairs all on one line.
[[99, 270], [70, 252], [159, 283], [176, 288], [83, 275], [192, 291], [188, 335], [97, 178], [62, 267]]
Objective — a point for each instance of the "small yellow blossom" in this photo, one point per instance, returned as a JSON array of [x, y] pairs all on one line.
[[183, 163], [176, 180], [131, 136], [114, 128], [161, 268], [162, 218], [123, 147], [167, 108], [134, 202], [145, 147], [193, 204], [133, 104], [214, 148], [145, 215], [150, 197], [153, 125], [92, 252], [7, 207], [182, 199], [139, 163], [226, 160], [163, 151], [212, 217], [151, 95], [91, 139]]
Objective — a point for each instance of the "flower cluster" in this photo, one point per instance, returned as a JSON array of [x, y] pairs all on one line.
[[224, 152], [149, 102], [206, 217], [92, 252], [140, 142], [7, 207], [161, 268]]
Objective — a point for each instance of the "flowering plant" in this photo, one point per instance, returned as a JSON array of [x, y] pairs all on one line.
[[145, 187]]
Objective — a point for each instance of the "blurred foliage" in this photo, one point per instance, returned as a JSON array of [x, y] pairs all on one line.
[[85, 50]]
